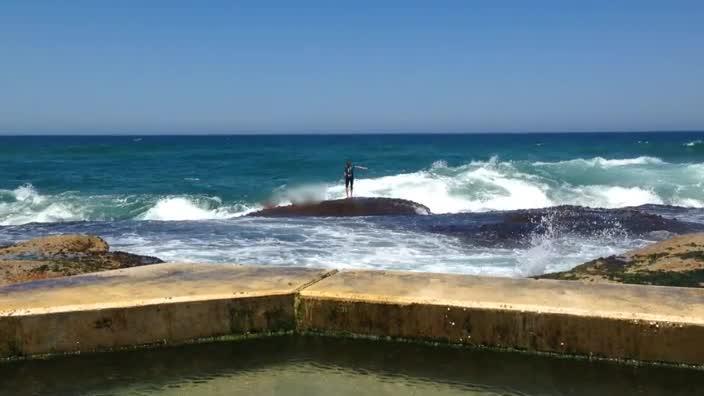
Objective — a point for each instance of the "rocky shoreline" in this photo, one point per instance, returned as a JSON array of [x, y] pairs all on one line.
[[678, 261], [63, 255], [515, 228]]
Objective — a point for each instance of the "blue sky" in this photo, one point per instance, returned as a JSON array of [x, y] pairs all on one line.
[[447, 66]]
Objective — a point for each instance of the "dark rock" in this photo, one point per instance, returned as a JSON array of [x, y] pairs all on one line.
[[347, 207], [515, 228]]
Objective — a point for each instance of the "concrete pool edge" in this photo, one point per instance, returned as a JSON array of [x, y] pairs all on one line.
[[623, 322]]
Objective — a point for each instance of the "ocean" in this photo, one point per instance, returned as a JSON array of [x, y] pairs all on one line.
[[183, 198]]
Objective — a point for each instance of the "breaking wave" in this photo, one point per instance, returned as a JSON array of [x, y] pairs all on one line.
[[473, 187], [601, 162], [26, 205], [509, 185], [184, 208]]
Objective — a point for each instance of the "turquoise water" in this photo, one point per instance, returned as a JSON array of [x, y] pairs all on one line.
[[197, 177], [322, 366], [182, 197]]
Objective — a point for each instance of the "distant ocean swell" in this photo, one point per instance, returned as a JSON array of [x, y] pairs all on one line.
[[476, 186]]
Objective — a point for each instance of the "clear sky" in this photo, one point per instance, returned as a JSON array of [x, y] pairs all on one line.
[[93, 66]]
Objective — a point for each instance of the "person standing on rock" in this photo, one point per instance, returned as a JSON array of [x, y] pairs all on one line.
[[349, 177]]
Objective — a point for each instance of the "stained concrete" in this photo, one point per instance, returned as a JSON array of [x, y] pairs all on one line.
[[646, 323], [163, 303], [174, 303]]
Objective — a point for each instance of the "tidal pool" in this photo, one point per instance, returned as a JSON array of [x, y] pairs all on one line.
[[306, 365]]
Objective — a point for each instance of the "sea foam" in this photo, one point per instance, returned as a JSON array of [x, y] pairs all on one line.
[[185, 208], [508, 185], [475, 186], [603, 162]]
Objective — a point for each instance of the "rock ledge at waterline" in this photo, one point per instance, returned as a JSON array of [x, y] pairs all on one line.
[[63, 255], [347, 207]]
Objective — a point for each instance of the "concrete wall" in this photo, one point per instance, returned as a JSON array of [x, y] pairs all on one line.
[[612, 321], [523, 330], [168, 323], [175, 303], [158, 304]]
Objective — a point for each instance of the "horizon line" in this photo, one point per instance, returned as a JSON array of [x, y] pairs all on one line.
[[335, 133]]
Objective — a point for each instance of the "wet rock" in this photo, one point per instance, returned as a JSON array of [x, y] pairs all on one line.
[[347, 207], [516, 228], [678, 261], [57, 244], [63, 255]]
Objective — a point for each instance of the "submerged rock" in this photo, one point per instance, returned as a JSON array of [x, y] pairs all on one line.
[[63, 255], [347, 207], [516, 228], [678, 261]]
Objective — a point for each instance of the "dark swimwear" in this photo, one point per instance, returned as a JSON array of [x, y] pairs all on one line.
[[349, 176]]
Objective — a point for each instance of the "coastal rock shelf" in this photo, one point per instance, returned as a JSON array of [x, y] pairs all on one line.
[[677, 261], [63, 255], [176, 303], [347, 207], [517, 228]]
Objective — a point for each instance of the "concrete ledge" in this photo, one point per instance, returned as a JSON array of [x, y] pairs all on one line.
[[166, 303], [176, 303], [169, 323], [646, 323]]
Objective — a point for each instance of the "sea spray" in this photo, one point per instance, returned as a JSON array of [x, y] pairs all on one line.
[[183, 197], [508, 185], [553, 237], [476, 186]]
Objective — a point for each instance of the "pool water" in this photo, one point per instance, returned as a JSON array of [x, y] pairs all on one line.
[[305, 365]]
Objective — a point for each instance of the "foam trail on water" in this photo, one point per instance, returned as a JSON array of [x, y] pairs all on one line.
[[363, 243]]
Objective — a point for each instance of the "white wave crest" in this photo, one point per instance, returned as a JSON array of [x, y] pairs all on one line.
[[439, 164], [476, 187], [693, 143], [508, 185], [473, 187], [27, 193], [26, 205], [601, 162], [183, 208], [688, 203], [610, 196]]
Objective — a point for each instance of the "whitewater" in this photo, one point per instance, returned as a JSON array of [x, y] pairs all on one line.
[[477, 186], [185, 198]]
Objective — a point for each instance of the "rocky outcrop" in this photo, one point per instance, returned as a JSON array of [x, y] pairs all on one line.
[[678, 261], [514, 229], [62, 255], [55, 245], [347, 207]]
